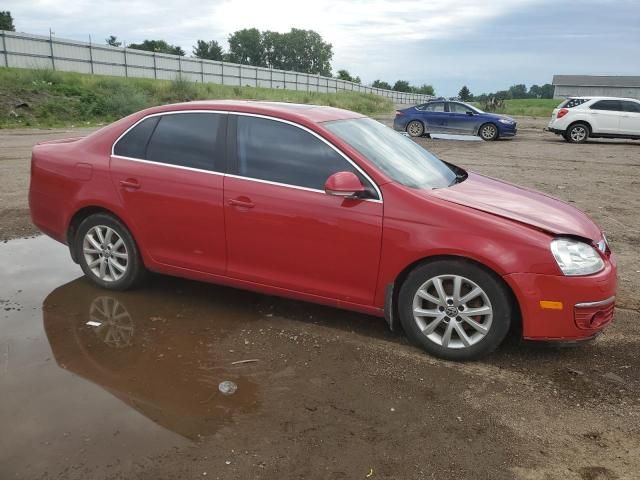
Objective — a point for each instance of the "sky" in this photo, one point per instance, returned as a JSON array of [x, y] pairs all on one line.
[[486, 45]]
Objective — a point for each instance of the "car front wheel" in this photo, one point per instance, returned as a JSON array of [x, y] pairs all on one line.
[[107, 253], [454, 309], [488, 132]]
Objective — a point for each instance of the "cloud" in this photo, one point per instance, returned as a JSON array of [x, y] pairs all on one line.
[[485, 44]]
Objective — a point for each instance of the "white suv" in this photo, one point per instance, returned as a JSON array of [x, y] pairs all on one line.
[[579, 118]]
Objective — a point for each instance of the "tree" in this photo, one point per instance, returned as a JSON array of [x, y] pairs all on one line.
[[381, 84], [6, 21], [518, 91], [402, 86], [158, 46], [208, 50], [245, 46], [547, 90], [465, 94], [298, 50], [425, 90], [113, 41], [345, 75]]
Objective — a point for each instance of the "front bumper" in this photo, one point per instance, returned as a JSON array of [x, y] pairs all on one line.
[[557, 307], [507, 130]]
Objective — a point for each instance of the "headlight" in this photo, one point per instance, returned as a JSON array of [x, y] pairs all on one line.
[[505, 120], [575, 257]]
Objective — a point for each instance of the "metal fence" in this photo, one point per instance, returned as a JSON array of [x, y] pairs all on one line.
[[21, 50]]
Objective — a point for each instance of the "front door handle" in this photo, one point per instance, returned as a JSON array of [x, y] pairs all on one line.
[[236, 202], [130, 184]]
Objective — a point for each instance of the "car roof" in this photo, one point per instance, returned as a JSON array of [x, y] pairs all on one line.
[[287, 111], [594, 97]]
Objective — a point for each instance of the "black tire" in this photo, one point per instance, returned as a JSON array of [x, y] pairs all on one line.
[[488, 132], [415, 128], [494, 295], [577, 133], [134, 271]]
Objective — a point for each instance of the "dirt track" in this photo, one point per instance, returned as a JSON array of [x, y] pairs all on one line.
[[333, 395]]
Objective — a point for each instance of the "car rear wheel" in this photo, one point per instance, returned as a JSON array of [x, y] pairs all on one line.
[[488, 132], [107, 253], [454, 309], [415, 128], [577, 133]]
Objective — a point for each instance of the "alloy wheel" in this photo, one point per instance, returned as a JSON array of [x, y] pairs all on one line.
[[415, 129], [105, 253], [578, 133], [488, 132], [452, 311]]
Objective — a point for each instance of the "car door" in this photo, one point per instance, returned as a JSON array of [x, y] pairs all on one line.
[[283, 230], [461, 119], [168, 172], [630, 119], [606, 116], [434, 117]]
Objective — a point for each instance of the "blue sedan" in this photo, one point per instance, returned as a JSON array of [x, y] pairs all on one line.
[[441, 116]]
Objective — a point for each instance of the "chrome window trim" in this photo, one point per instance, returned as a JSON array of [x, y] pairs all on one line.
[[160, 164], [245, 114], [601, 303]]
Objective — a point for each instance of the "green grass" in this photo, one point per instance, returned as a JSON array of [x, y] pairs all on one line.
[[44, 98], [530, 107]]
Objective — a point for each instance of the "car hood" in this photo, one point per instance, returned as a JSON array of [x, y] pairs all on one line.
[[495, 116], [520, 204]]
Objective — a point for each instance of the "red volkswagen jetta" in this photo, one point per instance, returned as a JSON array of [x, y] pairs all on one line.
[[328, 206]]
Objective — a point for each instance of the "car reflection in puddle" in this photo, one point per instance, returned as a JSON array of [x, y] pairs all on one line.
[[166, 367]]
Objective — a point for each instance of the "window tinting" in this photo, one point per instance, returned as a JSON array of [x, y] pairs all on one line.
[[278, 152], [631, 106], [435, 107], [134, 143], [611, 105], [192, 140]]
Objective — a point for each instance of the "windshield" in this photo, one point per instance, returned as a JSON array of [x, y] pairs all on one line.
[[397, 156]]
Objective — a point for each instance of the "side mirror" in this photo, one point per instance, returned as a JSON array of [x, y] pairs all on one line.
[[344, 184], [470, 113]]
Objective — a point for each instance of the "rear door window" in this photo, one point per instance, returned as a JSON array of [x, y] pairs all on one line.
[[193, 140], [435, 107], [610, 105]]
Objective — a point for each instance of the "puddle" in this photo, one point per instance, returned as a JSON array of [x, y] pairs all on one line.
[[464, 138], [93, 377]]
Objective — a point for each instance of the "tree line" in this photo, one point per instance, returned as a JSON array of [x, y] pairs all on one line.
[[298, 50], [517, 91]]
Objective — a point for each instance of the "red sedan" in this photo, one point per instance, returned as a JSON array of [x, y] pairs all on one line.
[[329, 206]]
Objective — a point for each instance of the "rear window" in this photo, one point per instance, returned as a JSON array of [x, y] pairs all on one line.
[[134, 143], [573, 102]]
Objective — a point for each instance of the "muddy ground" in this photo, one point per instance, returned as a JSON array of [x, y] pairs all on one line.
[[96, 384]]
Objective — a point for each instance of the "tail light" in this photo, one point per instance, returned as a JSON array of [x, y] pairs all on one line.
[[562, 112], [398, 112]]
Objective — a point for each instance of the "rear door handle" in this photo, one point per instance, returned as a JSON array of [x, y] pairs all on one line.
[[235, 202], [130, 183]]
